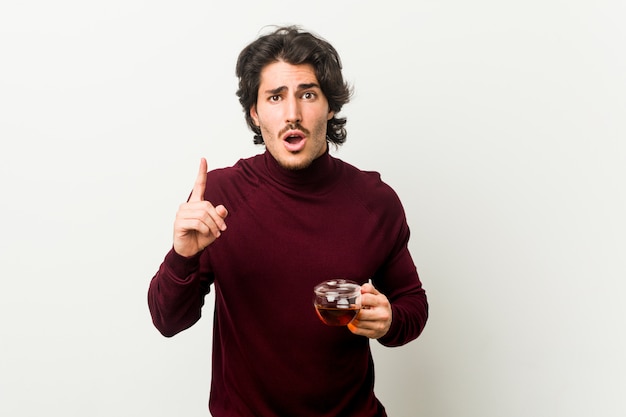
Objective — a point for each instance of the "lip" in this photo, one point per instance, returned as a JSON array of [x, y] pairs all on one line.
[[294, 140]]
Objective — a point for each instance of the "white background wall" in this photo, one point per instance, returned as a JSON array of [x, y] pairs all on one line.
[[501, 125]]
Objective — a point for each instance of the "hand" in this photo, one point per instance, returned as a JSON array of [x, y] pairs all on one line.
[[198, 223], [374, 319]]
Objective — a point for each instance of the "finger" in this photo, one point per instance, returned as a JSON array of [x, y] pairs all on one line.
[[216, 216], [197, 194], [366, 314], [186, 225], [361, 328], [372, 327], [368, 288], [204, 212], [222, 213], [369, 300]]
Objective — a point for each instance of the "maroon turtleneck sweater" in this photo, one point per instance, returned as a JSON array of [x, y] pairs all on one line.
[[287, 231]]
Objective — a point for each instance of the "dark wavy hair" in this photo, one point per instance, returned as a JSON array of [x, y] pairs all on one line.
[[294, 46]]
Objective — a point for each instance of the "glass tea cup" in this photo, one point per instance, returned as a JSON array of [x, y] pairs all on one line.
[[337, 301]]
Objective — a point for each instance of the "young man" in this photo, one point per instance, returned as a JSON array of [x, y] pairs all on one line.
[[265, 231]]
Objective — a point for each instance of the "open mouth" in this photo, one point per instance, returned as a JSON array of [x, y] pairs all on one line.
[[294, 140]]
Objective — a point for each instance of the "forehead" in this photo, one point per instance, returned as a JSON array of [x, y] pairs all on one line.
[[281, 73]]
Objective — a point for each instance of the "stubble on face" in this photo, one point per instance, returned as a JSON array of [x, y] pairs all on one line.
[[292, 109], [302, 159]]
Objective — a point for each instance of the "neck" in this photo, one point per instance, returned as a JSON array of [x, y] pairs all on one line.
[[315, 176]]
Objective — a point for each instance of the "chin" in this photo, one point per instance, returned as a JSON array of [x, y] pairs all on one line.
[[295, 167], [294, 164]]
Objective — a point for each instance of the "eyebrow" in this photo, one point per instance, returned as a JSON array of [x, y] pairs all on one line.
[[280, 89]]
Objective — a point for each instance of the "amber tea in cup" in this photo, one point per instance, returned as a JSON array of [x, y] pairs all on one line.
[[337, 301]]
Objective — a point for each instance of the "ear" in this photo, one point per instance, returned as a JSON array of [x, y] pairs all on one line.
[[254, 115], [330, 114]]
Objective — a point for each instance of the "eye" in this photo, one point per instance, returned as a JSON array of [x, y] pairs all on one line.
[[309, 95], [274, 98]]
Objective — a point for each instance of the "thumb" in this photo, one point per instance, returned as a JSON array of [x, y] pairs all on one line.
[[368, 288]]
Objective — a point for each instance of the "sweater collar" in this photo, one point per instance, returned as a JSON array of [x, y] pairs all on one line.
[[316, 176]]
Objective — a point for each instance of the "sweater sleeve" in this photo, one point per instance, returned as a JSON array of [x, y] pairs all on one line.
[[176, 293], [399, 281]]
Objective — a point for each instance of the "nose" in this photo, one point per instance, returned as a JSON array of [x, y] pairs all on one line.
[[293, 113]]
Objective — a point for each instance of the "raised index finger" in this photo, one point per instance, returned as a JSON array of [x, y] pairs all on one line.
[[197, 194]]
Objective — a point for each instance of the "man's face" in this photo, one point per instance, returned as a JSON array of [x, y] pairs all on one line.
[[292, 113]]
